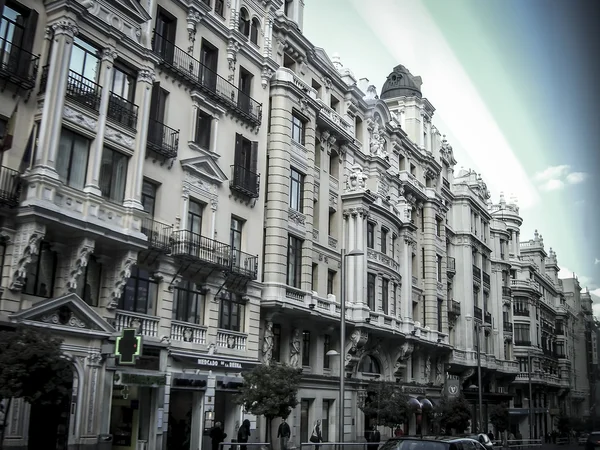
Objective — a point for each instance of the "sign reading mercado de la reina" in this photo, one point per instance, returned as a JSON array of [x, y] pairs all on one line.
[[224, 364]]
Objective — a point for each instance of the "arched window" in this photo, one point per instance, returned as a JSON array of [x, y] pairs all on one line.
[[244, 25], [369, 365], [254, 26]]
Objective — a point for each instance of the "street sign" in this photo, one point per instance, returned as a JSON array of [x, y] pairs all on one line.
[[128, 347]]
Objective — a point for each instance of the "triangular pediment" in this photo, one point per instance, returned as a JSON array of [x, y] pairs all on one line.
[[131, 9], [68, 312], [205, 167]]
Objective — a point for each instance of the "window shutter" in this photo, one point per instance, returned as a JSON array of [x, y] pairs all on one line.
[[155, 101], [238, 150], [29, 36], [254, 160]]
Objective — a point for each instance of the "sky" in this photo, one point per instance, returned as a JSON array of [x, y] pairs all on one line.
[[514, 87]]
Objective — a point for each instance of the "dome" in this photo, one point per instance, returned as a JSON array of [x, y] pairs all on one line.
[[401, 83]]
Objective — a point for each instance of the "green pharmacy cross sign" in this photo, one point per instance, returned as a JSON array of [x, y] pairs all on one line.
[[128, 347]]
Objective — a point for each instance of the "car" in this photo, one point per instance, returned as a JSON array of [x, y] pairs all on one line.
[[593, 441], [483, 439], [432, 443]]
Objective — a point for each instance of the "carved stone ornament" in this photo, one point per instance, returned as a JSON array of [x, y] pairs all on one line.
[[80, 119], [356, 180], [146, 75], [65, 26], [355, 348], [119, 138], [193, 18], [265, 77], [267, 347], [297, 217], [26, 246], [377, 141], [94, 358], [232, 49], [122, 272], [64, 316], [406, 351], [109, 54], [295, 348], [79, 260]]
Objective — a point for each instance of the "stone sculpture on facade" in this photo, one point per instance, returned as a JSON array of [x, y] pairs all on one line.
[[295, 349], [267, 347], [356, 180], [377, 144], [427, 371], [439, 371]]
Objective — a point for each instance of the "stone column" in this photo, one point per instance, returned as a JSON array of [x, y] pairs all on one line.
[[214, 130], [350, 263], [422, 130], [63, 32], [135, 175], [92, 184], [361, 269], [213, 208]]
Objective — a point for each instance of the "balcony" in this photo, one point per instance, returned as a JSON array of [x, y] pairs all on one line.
[[145, 324], [244, 181], [450, 266], [231, 340], [523, 343], [83, 91], [507, 326], [486, 279], [476, 273], [446, 183], [477, 313], [192, 246], [330, 119], [17, 66], [188, 332], [559, 331], [193, 72], [506, 292], [244, 264], [162, 140], [10, 187], [122, 111], [487, 317], [520, 312], [159, 234], [453, 308]]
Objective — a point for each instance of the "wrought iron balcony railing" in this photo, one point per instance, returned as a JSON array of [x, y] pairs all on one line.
[[476, 273], [244, 181], [453, 308], [244, 264], [122, 111], [506, 292], [523, 343], [450, 264], [520, 312], [10, 187], [160, 235], [194, 246], [446, 183], [507, 326], [162, 139], [17, 65], [477, 312], [182, 64], [487, 317], [486, 278], [83, 91]]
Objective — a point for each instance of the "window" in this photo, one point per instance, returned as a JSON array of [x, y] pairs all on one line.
[[314, 282], [325, 420], [203, 129], [438, 227], [232, 312], [149, 196], [84, 62], [39, 280], [113, 175], [72, 159], [219, 7], [244, 22], [194, 218], [140, 293], [326, 348], [440, 316], [371, 291], [245, 175], [423, 262], [245, 102], [88, 285], [370, 235], [304, 425], [385, 289], [296, 190], [369, 365], [298, 129], [331, 282], [521, 334], [276, 342], [188, 303], [287, 10], [384, 240], [123, 82], [254, 27], [294, 268], [164, 37], [438, 265], [306, 348]]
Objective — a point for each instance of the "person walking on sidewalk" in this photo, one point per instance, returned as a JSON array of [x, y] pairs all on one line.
[[217, 435], [244, 434], [284, 433]]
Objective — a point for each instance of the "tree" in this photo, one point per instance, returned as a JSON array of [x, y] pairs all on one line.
[[270, 391], [499, 417], [455, 414], [386, 404], [563, 424], [32, 367]]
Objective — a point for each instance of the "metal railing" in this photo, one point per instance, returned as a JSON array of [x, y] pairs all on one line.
[[196, 73], [487, 317], [520, 312], [162, 139], [160, 235], [10, 187], [450, 264], [446, 183], [454, 307], [83, 91], [507, 326], [477, 312], [506, 291], [193, 245], [244, 264], [476, 273], [245, 181], [17, 64], [486, 278], [522, 343], [122, 111]]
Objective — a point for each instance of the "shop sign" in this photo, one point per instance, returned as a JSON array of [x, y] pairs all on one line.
[[413, 390], [452, 387], [223, 364], [136, 379]]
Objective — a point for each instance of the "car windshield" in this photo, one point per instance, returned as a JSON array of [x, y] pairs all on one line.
[[413, 444]]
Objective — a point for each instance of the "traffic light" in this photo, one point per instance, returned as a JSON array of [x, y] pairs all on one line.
[[128, 347]]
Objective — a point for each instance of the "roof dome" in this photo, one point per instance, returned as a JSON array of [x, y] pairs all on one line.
[[401, 83]]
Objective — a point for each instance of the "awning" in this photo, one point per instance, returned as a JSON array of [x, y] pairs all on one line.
[[189, 380], [226, 383]]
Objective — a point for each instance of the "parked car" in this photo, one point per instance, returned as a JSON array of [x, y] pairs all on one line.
[[593, 441], [583, 437], [483, 439], [432, 443]]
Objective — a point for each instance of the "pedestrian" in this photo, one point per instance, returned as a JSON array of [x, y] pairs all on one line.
[[374, 439], [284, 433], [217, 435], [316, 436], [398, 432], [244, 433], [491, 435]]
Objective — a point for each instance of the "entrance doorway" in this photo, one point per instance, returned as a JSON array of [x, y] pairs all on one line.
[[50, 422]]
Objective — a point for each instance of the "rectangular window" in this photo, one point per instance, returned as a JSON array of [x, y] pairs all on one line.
[[188, 303], [276, 342], [113, 175], [245, 91], [440, 316], [194, 218], [331, 282], [294, 257], [370, 235], [88, 284], [296, 190], [219, 7], [235, 239], [371, 291], [203, 130], [325, 420], [85, 62], [232, 312], [423, 262], [326, 348], [384, 239], [306, 348], [304, 407], [314, 282], [385, 289], [522, 334], [438, 260], [140, 293], [72, 159], [438, 227], [149, 196], [39, 280], [298, 129]]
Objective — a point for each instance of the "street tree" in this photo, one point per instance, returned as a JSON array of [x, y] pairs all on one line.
[[455, 414], [33, 368], [270, 391], [386, 404], [499, 417]]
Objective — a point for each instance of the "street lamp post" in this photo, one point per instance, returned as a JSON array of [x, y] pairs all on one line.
[[343, 339], [530, 395], [478, 327]]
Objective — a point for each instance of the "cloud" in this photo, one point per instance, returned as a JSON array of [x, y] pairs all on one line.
[[596, 261], [584, 281], [554, 178]]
